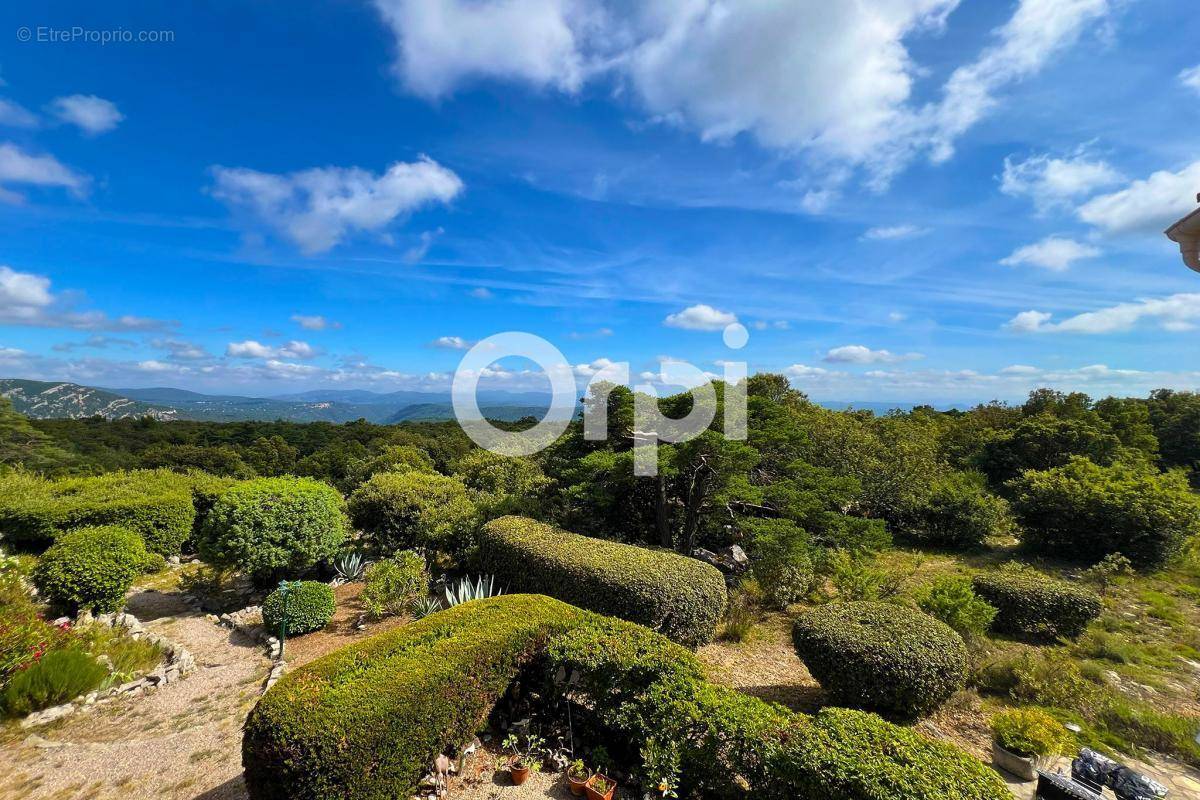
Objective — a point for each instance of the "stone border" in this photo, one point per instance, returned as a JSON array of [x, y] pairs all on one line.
[[179, 662], [248, 622]]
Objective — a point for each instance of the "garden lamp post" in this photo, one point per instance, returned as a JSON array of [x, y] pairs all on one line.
[[1186, 233]]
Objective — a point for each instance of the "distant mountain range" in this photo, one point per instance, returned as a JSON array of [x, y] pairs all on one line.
[[48, 400]]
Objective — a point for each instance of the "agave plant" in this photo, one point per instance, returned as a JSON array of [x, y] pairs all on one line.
[[465, 589], [349, 565], [424, 606]]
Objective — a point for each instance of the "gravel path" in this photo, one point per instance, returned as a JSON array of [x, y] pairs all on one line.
[[182, 741]]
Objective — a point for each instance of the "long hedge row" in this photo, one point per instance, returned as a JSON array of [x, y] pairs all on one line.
[[680, 597], [157, 504], [365, 722]]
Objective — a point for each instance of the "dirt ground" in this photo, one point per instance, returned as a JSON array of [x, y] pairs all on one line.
[[340, 631]]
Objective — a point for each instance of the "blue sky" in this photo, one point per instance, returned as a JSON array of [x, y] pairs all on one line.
[[909, 200]]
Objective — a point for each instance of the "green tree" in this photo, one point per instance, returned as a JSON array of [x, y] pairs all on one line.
[[1045, 441], [404, 510], [22, 445], [272, 456]]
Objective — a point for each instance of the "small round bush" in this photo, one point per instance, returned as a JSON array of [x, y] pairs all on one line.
[[1034, 605], [91, 568], [394, 584], [1030, 733], [881, 657], [307, 607], [780, 560], [402, 510], [951, 599], [271, 525]]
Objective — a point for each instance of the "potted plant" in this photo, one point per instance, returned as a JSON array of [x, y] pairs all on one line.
[[524, 759], [1024, 739], [577, 777], [600, 787]]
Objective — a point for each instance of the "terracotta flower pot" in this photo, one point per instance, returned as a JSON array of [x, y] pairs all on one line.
[[590, 787], [519, 773], [576, 785]]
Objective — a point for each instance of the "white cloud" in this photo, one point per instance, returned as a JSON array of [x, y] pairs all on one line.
[[889, 232], [859, 354], [1053, 182], [765, 324], [598, 333], [452, 343], [19, 167], [1037, 31], [481, 293], [588, 370], [317, 208], [424, 242], [1178, 312], [92, 115], [181, 350], [1020, 369], [1191, 78], [153, 365], [14, 115], [897, 316], [700, 317], [445, 44], [26, 299], [831, 78], [805, 371], [314, 322], [1054, 253], [1145, 206], [252, 349]]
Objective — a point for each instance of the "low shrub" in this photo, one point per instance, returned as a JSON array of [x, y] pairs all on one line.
[[781, 562], [1031, 733], [91, 568], [1084, 511], [56, 677], [951, 599], [157, 504], [366, 721], [1034, 605], [881, 657], [271, 525], [306, 606], [359, 723], [680, 597], [403, 510], [394, 584], [959, 513]]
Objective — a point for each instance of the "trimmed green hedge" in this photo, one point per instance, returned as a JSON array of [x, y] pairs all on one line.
[[269, 525], [1034, 605], [90, 568], [881, 657], [157, 504], [366, 721], [308, 607], [680, 597]]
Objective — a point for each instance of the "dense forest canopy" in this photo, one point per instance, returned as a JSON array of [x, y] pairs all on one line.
[[838, 479]]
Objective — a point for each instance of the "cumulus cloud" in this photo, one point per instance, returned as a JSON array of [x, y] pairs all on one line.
[[1054, 253], [14, 115], [314, 322], [859, 354], [833, 79], [700, 317], [20, 167], [26, 299], [253, 349], [805, 371], [591, 368], [1191, 78], [452, 343], [888, 232], [1178, 312], [1054, 182], [91, 114], [318, 208], [1147, 205], [181, 350]]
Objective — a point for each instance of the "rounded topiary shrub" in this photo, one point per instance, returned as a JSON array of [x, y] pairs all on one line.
[[269, 525], [91, 568], [307, 607], [680, 597], [402, 510], [1031, 604], [881, 657]]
